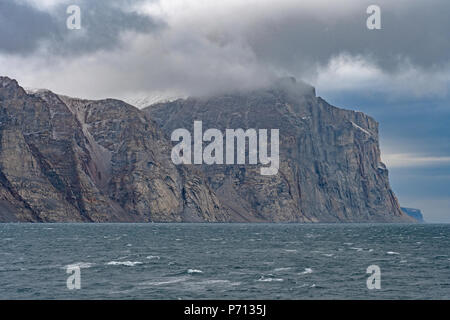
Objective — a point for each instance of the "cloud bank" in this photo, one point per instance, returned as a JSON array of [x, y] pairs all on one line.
[[198, 47]]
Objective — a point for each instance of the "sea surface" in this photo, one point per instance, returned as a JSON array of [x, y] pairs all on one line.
[[224, 261]]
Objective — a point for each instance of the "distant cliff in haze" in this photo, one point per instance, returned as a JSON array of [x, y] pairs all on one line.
[[414, 213]]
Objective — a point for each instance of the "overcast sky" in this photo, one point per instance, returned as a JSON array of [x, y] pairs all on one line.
[[134, 48]]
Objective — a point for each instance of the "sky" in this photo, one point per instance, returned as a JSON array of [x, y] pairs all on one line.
[[126, 49]]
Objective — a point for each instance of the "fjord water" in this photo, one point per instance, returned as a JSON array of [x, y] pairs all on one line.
[[224, 261]]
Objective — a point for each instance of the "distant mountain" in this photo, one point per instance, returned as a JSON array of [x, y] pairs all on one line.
[[414, 213], [66, 159]]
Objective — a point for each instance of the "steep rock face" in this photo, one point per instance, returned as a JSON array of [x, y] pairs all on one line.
[[64, 159], [27, 150], [330, 168], [134, 166]]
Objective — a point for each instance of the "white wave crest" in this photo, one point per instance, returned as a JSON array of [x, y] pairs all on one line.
[[282, 269], [263, 279], [80, 265], [307, 271], [192, 271], [124, 263]]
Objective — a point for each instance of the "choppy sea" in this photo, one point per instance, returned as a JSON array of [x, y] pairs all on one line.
[[224, 261]]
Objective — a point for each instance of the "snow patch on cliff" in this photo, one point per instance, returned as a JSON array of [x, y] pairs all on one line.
[[359, 128]]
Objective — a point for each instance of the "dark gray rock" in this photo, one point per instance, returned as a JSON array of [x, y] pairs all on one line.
[[66, 159], [330, 167]]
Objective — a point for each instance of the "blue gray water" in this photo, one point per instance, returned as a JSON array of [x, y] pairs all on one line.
[[224, 261]]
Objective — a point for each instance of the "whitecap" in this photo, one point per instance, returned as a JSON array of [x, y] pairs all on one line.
[[124, 263], [164, 282], [192, 271], [290, 250], [392, 252], [282, 269], [80, 265], [263, 279], [153, 257], [307, 271]]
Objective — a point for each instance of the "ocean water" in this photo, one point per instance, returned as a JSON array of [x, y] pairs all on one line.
[[224, 261]]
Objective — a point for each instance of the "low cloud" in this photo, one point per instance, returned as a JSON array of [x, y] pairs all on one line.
[[355, 73], [409, 160], [192, 47], [32, 28]]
